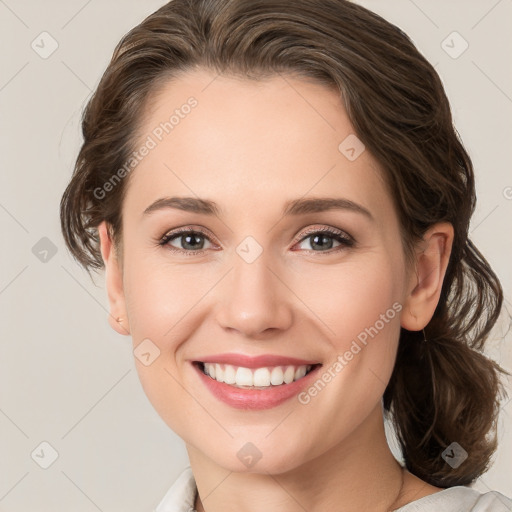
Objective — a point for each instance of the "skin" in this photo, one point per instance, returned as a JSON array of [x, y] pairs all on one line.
[[250, 147]]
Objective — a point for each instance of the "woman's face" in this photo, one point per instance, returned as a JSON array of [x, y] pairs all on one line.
[[256, 278]]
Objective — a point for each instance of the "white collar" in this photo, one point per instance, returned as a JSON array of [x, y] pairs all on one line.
[[181, 496]]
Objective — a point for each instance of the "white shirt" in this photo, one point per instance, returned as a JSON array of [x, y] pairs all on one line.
[[182, 495]]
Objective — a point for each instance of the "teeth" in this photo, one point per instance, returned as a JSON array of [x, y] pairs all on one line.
[[243, 377], [277, 376], [300, 372], [259, 377], [289, 374], [219, 373], [229, 375]]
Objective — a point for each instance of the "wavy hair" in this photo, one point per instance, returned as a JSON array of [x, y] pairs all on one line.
[[441, 391]]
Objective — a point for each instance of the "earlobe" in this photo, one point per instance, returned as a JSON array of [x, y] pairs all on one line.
[[432, 258], [118, 318]]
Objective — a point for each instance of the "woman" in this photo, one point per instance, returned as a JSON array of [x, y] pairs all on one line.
[[230, 142]]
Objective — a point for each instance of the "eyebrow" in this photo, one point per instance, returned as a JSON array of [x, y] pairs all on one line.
[[300, 206]]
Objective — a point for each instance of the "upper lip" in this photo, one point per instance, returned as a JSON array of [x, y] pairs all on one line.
[[263, 360]]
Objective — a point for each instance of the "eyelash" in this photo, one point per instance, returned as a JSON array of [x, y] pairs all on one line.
[[344, 239]]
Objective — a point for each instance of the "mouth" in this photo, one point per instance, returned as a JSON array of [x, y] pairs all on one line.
[[255, 387], [262, 378]]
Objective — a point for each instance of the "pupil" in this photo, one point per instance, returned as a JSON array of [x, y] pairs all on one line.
[[325, 240], [191, 239]]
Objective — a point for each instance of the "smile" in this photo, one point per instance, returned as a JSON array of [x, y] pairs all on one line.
[[257, 383], [256, 378]]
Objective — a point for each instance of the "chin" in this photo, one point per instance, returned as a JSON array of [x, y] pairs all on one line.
[[275, 465], [257, 457]]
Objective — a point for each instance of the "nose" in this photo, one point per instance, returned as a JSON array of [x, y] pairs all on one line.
[[254, 301]]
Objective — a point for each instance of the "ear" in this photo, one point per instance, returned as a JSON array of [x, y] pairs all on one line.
[[425, 284], [118, 318]]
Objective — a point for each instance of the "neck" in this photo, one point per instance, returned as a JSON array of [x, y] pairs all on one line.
[[360, 473]]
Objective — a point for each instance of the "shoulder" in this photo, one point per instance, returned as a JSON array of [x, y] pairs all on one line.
[[460, 499], [182, 494]]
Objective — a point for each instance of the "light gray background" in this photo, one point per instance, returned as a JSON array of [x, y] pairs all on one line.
[[65, 377]]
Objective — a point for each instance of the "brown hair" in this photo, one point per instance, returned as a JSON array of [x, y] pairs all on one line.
[[441, 391]]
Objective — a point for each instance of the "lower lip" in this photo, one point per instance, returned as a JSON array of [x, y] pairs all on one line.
[[255, 399]]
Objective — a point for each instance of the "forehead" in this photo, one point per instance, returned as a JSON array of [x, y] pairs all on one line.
[[267, 141]]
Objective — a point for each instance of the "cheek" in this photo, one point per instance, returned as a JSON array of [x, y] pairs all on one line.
[[371, 304], [349, 298], [359, 311], [159, 295], [361, 306], [158, 299]]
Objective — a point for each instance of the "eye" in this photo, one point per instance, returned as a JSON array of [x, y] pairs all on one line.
[[192, 241], [189, 241], [324, 239]]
